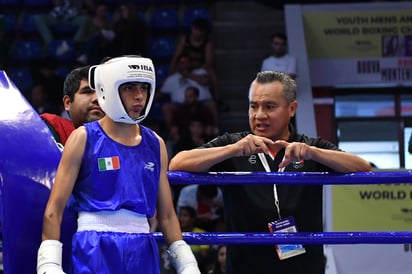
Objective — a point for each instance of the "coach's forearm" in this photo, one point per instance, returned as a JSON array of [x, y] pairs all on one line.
[[200, 160]]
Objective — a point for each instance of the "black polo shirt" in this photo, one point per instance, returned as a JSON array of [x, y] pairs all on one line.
[[249, 208]]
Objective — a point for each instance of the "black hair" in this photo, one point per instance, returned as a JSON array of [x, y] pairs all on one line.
[[72, 82], [208, 191], [201, 23], [195, 89], [279, 35], [190, 210]]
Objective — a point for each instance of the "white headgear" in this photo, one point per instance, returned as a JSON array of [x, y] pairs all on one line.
[[107, 77]]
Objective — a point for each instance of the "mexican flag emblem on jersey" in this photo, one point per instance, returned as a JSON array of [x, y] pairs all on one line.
[[109, 163]]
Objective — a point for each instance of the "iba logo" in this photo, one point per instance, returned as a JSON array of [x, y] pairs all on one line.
[[141, 67]]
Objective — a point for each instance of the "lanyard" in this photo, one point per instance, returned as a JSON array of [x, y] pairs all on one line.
[[275, 192]]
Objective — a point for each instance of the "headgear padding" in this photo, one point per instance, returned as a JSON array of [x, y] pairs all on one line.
[[107, 77]]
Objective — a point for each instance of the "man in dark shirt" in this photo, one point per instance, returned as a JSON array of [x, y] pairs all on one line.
[[272, 144], [80, 103]]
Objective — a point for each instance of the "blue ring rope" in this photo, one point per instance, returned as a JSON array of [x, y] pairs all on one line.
[[267, 238], [314, 178], [317, 178]]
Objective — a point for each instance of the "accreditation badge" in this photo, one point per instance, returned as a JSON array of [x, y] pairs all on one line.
[[286, 251]]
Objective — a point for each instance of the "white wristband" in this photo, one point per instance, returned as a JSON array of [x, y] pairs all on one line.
[[50, 252], [182, 258]]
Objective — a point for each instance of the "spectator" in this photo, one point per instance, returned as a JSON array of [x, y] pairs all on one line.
[[195, 136], [40, 101], [127, 22], [99, 43], [207, 200], [176, 83], [44, 72], [4, 43], [280, 60], [65, 13], [187, 219], [220, 266], [183, 115], [197, 45], [85, 7]]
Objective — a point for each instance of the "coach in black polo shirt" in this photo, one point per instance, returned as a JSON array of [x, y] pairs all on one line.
[[272, 144]]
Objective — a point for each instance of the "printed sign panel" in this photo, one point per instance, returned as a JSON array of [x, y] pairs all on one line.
[[358, 45]]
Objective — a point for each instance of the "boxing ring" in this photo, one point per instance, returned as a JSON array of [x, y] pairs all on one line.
[[301, 178], [29, 159]]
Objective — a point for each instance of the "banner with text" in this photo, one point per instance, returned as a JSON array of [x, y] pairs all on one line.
[[372, 207], [349, 44]]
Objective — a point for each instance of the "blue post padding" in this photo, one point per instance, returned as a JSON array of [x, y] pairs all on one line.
[[28, 161]]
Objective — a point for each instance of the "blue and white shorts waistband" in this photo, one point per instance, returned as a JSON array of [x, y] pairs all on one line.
[[122, 220]]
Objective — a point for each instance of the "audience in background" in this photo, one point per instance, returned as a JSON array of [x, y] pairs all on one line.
[[103, 28], [63, 12], [196, 134], [220, 263], [280, 60], [187, 219], [44, 72], [4, 42], [207, 200], [40, 101], [197, 45], [183, 115], [128, 21], [176, 83], [100, 36]]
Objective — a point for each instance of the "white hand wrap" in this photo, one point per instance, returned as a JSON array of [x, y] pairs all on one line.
[[49, 257], [182, 258]]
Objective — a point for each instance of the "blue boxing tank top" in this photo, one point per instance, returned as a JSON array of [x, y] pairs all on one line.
[[114, 176]]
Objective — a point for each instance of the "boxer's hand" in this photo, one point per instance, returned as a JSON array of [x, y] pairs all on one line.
[[49, 257], [252, 144], [182, 258]]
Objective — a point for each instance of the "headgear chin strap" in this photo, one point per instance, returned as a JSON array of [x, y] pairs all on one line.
[[107, 77]]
